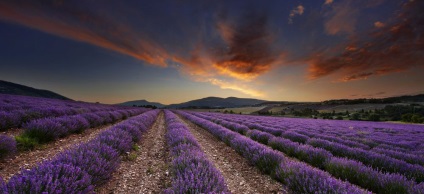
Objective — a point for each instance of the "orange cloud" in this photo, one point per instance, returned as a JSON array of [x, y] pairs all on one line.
[[247, 52], [236, 86], [389, 49], [328, 2], [85, 27], [378, 24], [296, 11], [244, 56], [342, 18]]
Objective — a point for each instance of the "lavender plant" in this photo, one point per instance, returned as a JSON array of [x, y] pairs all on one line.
[[117, 139], [7, 146], [299, 177], [50, 178], [79, 169], [192, 171]]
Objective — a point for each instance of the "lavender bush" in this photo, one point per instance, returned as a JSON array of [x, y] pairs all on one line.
[[9, 120], [74, 124], [295, 136], [191, 170], [259, 136], [80, 168], [94, 119], [315, 156], [367, 177], [385, 163], [299, 177], [45, 130], [90, 162], [117, 139], [17, 110], [350, 170], [133, 130], [50, 178], [3, 187], [7, 146]]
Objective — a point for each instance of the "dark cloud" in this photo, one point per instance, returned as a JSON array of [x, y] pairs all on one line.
[[342, 17], [397, 46], [247, 51]]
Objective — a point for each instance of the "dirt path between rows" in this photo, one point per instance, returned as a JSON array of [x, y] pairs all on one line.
[[29, 159], [239, 175], [12, 132], [149, 172]]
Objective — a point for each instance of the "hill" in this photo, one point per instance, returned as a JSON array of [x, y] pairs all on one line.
[[141, 103], [17, 89], [216, 102]]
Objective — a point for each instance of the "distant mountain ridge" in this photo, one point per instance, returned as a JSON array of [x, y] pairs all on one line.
[[141, 103], [18, 89], [216, 102]]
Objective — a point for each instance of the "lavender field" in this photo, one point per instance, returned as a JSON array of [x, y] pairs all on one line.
[[57, 146]]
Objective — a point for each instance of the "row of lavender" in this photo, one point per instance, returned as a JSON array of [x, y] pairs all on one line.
[[350, 170], [85, 166], [192, 172], [44, 130], [388, 161], [17, 110], [298, 176], [367, 135], [411, 156]]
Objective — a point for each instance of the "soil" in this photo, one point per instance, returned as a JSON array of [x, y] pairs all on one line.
[[148, 173], [238, 174], [12, 132], [30, 158]]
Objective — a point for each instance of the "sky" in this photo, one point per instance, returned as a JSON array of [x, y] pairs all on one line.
[[172, 51]]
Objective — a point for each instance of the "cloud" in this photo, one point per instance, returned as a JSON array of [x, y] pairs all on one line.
[[395, 47], [328, 2], [378, 24], [357, 76], [247, 52], [299, 10], [70, 22], [236, 86], [342, 18], [241, 50]]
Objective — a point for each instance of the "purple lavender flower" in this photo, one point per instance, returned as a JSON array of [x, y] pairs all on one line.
[[7, 146], [292, 135], [45, 130], [366, 177], [3, 187], [89, 161], [191, 170], [131, 129], [300, 177], [94, 119], [51, 178], [117, 139]]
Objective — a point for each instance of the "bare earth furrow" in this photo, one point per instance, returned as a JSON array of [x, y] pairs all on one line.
[[239, 175], [149, 172]]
